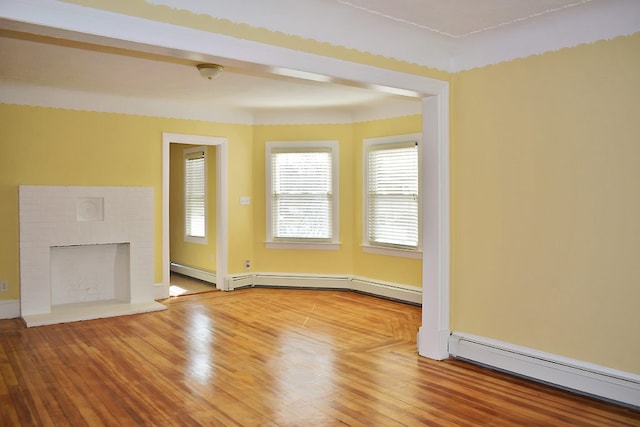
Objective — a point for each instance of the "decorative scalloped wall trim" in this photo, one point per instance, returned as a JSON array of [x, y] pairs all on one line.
[[566, 27], [37, 96]]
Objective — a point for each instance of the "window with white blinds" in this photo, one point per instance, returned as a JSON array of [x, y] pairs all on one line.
[[392, 193], [301, 188], [195, 194]]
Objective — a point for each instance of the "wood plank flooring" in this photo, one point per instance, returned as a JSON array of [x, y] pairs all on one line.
[[265, 357], [184, 285]]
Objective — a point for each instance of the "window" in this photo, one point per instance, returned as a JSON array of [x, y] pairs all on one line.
[[302, 196], [392, 193], [195, 194]]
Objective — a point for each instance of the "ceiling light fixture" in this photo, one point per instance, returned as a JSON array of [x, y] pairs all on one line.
[[210, 71]]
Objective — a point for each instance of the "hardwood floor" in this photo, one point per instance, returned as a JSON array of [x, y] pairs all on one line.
[[184, 285], [265, 357]]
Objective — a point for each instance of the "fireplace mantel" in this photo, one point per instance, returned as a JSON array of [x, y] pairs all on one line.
[[107, 268]]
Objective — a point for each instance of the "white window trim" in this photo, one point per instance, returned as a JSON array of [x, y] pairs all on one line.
[[334, 244], [380, 250], [387, 250], [187, 238]]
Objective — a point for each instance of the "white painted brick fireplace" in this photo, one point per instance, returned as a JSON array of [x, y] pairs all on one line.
[[85, 253]]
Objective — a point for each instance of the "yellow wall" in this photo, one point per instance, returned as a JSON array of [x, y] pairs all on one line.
[[202, 256], [545, 159], [46, 146]]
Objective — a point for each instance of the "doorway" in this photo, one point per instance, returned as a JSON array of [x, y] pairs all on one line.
[[221, 245]]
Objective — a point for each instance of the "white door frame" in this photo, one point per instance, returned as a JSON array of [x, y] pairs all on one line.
[[221, 202]]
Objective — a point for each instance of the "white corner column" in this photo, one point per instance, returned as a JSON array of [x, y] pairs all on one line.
[[434, 332]]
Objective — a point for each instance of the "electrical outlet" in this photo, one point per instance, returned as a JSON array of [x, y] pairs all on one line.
[[4, 286], [247, 265]]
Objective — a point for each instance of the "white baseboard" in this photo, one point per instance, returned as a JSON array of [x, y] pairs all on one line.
[[406, 293], [9, 309], [395, 291], [159, 291], [288, 280], [433, 342], [587, 378], [237, 281], [196, 273]]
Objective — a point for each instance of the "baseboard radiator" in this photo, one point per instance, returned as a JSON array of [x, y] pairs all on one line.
[[594, 380], [196, 273], [238, 281], [393, 291], [9, 309]]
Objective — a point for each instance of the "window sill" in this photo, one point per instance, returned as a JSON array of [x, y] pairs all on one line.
[[404, 253], [197, 240], [304, 246]]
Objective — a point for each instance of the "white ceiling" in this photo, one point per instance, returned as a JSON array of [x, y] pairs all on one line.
[[82, 68], [460, 18]]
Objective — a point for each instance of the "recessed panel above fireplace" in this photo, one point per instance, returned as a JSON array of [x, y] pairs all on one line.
[[90, 209]]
